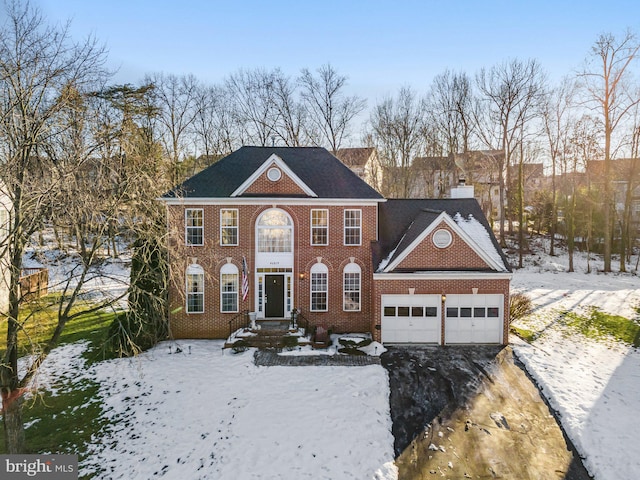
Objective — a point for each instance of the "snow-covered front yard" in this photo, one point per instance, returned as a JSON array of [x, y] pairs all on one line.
[[202, 414], [209, 415], [594, 385]]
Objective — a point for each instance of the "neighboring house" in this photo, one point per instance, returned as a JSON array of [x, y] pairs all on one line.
[[273, 229], [363, 161]]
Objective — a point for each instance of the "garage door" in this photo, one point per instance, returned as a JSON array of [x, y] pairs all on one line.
[[473, 319], [410, 319]]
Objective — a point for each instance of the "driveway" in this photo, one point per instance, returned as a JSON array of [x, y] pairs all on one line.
[[472, 412]]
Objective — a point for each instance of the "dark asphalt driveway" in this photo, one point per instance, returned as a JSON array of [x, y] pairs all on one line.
[[472, 412]]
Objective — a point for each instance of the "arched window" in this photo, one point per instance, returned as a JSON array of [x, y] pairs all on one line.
[[195, 288], [275, 232], [319, 287], [351, 287], [229, 288]]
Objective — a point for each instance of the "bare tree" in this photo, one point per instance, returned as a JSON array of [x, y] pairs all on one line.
[[451, 108], [509, 95], [398, 131], [605, 81], [330, 111], [41, 73], [252, 96], [292, 119], [175, 97], [583, 146], [556, 110]]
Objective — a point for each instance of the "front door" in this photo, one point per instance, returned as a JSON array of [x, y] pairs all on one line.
[[274, 291]]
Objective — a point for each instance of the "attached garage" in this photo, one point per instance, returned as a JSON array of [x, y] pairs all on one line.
[[411, 318], [474, 318]]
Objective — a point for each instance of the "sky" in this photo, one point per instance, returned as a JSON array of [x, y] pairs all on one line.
[[380, 45]]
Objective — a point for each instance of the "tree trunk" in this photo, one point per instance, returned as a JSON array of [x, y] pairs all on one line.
[[13, 424]]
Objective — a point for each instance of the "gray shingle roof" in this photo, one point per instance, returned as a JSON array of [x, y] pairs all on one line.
[[403, 220], [323, 173]]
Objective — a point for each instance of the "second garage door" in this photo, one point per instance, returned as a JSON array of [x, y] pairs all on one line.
[[411, 318], [474, 318]]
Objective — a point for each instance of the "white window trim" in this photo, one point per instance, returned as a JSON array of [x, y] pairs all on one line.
[[344, 228], [193, 269], [352, 268], [230, 269], [186, 227], [237, 227], [318, 268], [325, 227]]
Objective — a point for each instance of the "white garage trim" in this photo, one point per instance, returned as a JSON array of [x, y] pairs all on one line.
[[411, 319], [474, 318]]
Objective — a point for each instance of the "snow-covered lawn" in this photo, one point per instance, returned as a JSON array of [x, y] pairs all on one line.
[[595, 386], [209, 415]]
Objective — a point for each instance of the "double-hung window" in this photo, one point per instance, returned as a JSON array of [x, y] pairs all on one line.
[[229, 288], [229, 226], [319, 227], [351, 288], [352, 227], [195, 289], [194, 226], [319, 287]]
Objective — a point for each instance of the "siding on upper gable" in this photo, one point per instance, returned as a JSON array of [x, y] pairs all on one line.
[[265, 187], [457, 256]]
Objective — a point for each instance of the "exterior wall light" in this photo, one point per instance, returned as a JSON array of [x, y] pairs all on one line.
[[444, 297], [302, 276]]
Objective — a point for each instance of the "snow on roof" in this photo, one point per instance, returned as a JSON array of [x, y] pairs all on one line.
[[479, 234]]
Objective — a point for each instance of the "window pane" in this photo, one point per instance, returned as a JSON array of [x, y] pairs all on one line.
[[229, 218], [403, 311], [417, 312], [319, 227], [493, 312], [318, 291], [431, 311], [352, 291], [274, 240], [452, 311], [229, 298], [479, 312], [389, 311], [229, 227], [275, 218], [194, 226], [352, 225], [195, 293], [465, 311]]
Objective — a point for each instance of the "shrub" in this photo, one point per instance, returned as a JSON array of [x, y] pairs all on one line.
[[519, 306], [239, 346], [290, 342]]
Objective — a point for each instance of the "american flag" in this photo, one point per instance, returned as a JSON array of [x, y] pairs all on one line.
[[245, 279]]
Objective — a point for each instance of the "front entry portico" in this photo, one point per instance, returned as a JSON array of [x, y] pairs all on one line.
[[274, 264]]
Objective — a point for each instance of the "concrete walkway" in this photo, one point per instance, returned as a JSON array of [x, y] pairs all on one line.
[[268, 358]]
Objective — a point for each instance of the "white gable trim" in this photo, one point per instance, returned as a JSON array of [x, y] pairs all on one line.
[[273, 160], [443, 217], [438, 275]]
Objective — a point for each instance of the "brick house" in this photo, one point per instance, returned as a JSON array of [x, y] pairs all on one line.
[[273, 229]]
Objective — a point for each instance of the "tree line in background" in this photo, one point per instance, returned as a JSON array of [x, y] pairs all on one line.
[[86, 158]]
